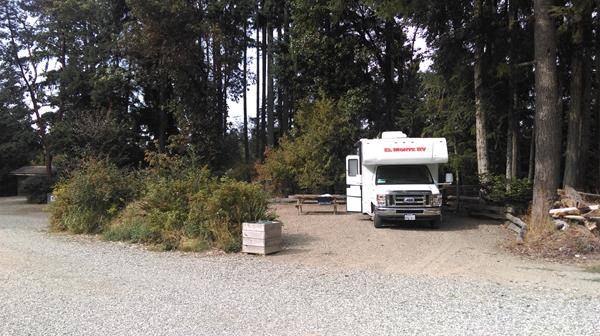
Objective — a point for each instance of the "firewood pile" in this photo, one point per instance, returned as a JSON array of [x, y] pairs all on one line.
[[571, 208]]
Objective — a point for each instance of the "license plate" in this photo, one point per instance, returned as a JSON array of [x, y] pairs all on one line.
[[409, 217]]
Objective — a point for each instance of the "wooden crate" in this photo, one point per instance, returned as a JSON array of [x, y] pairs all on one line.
[[261, 237]]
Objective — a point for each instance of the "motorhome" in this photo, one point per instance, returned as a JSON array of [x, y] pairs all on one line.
[[396, 178]]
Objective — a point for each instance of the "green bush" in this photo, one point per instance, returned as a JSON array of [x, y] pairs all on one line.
[[37, 188], [182, 207], [173, 204], [497, 189], [217, 215], [158, 217], [91, 197]]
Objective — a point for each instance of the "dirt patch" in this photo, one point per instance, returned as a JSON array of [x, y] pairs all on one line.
[[463, 247], [18, 206]]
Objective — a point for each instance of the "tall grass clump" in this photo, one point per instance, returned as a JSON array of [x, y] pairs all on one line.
[[91, 197]]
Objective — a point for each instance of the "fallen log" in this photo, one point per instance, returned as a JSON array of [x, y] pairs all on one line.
[[465, 198], [575, 217], [560, 212], [588, 194], [514, 227], [564, 211], [494, 208], [486, 214], [516, 220]]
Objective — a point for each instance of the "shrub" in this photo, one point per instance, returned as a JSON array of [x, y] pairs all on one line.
[[497, 189], [279, 171], [217, 215], [37, 188], [91, 196], [173, 204], [191, 222], [159, 215]]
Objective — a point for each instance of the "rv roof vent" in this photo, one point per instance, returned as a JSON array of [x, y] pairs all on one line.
[[393, 135]]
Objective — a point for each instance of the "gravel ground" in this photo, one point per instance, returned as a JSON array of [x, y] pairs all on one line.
[[464, 247], [57, 284]]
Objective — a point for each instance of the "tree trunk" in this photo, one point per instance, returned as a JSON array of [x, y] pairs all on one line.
[[245, 99], [257, 119], [597, 130], [480, 113], [531, 166], [547, 119], [279, 88], [270, 97], [162, 114], [218, 78], [586, 135], [573, 152], [511, 128], [263, 135], [286, 92]]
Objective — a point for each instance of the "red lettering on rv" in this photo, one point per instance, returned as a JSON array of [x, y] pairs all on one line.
[[404, 149]]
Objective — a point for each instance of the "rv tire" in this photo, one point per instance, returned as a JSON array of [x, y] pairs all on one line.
[[377, 221], [436, 223]]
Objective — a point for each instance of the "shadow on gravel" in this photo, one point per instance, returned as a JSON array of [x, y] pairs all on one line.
[[293, 243], [297, 239], [322, 212], [452, 222]]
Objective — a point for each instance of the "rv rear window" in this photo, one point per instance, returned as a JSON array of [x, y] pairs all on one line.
[[352, 167], [403, 174]]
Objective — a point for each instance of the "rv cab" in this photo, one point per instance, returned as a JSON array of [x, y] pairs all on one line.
[[396, 178]]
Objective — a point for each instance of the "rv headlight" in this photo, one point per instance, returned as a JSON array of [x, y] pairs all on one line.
[[436, 200], [381, 200]]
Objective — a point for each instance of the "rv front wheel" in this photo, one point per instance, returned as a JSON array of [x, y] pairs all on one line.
[[436, 223], [377, 221]]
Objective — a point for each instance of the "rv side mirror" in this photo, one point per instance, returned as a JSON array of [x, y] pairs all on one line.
[[449, 178]]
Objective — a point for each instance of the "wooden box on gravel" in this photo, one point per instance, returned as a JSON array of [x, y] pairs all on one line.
[[261, 237]]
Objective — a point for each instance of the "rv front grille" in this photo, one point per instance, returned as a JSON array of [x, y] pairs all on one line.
[[410, 199]]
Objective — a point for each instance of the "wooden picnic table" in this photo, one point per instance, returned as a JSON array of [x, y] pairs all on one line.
[[326, 199]]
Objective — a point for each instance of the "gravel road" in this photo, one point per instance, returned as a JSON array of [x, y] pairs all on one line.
[[63, 285]]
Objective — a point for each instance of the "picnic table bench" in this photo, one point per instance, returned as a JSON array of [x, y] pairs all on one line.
[[326, 199]]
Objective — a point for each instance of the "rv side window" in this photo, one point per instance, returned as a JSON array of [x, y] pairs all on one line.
[[352, 167]]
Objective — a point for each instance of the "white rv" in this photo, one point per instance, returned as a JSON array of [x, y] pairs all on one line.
[[395, 177]]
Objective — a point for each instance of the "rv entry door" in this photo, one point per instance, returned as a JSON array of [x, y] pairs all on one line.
[[353, 184]]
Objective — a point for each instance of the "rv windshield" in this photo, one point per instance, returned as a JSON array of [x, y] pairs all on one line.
[[403, 174]]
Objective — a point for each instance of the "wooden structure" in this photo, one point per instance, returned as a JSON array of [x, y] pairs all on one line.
[[28, 171], [261, 237], [322, 200]]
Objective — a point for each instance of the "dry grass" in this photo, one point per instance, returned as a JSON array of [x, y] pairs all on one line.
[[576, 240]]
